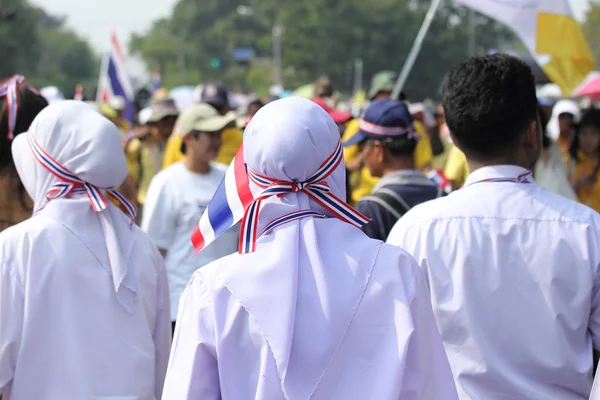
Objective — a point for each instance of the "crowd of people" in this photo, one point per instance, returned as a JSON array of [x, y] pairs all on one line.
[[415, 251]]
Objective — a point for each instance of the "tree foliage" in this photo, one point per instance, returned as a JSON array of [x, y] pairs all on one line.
[[321, 37], [38, 45]]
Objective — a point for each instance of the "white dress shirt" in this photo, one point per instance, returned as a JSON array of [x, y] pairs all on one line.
[[513, 274]]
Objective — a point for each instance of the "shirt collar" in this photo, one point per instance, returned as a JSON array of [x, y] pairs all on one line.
[[495, 172]]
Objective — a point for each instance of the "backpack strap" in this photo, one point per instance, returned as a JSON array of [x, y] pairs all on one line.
[[389, 200]]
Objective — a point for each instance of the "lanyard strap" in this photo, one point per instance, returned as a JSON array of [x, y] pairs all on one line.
[[68, 183], [522, 178], [315, 187]]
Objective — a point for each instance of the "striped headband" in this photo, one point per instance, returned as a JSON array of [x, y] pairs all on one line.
[[315, 187], [68, 183], [380, 130], [9, 90]]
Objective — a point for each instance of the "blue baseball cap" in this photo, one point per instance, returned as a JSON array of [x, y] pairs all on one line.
[[384, 119], [214, 94]]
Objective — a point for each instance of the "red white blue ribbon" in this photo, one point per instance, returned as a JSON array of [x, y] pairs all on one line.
[[8, 89], [522, 178], [289, 218], [315, 187], [68, 183]]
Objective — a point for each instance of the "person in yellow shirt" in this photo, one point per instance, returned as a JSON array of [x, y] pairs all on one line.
[[585, 155], [456, 169], [144, 147], [361, 180], [214, 94]]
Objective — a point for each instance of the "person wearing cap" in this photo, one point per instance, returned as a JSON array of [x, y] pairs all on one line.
[[312, 308], [216, 95], [145, 146], [178, 196], [513, 269], [388, 140], [382, 85], [84, 294]]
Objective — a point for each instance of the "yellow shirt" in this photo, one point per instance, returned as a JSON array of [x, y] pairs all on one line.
[[232, 140], [587, 194], [362, 182], [456, 169], [144, 160]]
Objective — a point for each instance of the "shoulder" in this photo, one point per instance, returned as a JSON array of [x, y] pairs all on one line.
[[28, 237]]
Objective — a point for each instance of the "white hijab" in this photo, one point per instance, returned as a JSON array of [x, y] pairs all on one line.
[[304, 281], [565, 106], [89, 146]]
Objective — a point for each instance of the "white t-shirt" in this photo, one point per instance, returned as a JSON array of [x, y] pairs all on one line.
[[176, 200]]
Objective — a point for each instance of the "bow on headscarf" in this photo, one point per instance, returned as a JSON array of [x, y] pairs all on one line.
[[315, 187], [9, 90], [71, 150]]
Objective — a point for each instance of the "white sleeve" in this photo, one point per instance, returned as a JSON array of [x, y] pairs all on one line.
[[193, 371], [428, 374], [162, 328], [11, 322], [159, 219]]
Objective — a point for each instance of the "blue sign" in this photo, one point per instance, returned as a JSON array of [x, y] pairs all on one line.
[[243, 54]]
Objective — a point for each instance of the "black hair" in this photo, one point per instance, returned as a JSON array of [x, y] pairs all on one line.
[[398, 146], [256, 103], [488, 103], [590, 117], [29, 103]]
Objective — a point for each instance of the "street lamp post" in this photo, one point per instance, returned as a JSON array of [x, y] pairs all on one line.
[[276, 33]]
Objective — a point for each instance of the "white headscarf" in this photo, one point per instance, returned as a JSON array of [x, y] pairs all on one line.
[[290, 284], [565, 106], [74, 135]]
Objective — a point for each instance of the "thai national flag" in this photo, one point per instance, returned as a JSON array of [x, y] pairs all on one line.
[[227, 205], [439, 178], [114, 80]]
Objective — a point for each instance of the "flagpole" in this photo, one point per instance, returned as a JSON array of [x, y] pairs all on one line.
[[102, 76], [416, 48]]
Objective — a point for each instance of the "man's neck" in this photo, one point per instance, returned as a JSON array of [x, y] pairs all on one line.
[[399, 164], [197, 167]]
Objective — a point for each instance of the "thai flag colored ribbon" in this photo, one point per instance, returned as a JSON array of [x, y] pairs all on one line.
[[9, 90], [525, 177], [315, 187], [68, 183], [233, 201]]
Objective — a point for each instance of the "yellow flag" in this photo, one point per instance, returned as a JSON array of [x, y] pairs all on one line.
[[550, 32]]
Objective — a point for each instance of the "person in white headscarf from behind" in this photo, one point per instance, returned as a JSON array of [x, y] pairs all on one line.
[[318, 310], [84, 305]]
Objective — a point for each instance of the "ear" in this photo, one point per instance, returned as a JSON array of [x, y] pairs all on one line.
[[533, 135], [378, 151]]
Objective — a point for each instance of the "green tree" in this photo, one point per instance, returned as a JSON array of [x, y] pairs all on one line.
[[37, 44], [591, 29], [321, 38]]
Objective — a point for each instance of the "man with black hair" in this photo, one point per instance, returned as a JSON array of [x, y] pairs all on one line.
[[514, 270], [178, 196], [388, 140]]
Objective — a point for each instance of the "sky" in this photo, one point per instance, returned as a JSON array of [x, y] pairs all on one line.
[[95, 19]]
